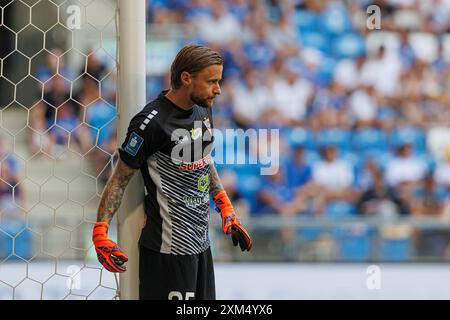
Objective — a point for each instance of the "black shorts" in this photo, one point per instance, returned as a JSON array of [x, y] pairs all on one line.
[[176, 277]]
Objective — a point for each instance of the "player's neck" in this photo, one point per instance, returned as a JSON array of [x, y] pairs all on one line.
[[180, 99]]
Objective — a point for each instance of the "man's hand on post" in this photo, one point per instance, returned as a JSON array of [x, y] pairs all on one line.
[[109, 253]]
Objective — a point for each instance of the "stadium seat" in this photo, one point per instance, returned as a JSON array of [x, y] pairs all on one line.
[[335, 136], [15, 232], [306, 21], [5, 245], [316, 40], [381, 159], [369, 140], [395, 249], [326, 69], [309, 233], [335, 20], [355, 161], [301, 137], [413, 135], [350, 45], [354, 242], [339, 209], [249, 185]]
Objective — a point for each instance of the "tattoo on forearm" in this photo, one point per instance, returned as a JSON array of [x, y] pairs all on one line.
[[215, 185], [113, 192]]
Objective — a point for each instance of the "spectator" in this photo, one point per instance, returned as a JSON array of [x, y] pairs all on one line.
[[382, 72], [95, 67], [12, 197], [429, 199], [230, 184], [66, 123], [291, 96], [348, 72], [54, 64], [363, 106], [221, 19], [333, 174], [42, 115], [333, 179], [299, 170], [260, 52], [442, 172], [405, 167], [250, 101], [100, 116], [275, 195], [329, 107], [283, 36], [381, 200]]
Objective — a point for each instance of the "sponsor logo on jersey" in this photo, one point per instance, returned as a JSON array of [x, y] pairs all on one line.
[[197, 164], [195, 201], [134, 144], [203, 183]]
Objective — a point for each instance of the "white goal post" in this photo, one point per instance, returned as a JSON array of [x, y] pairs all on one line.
[[131, 99]]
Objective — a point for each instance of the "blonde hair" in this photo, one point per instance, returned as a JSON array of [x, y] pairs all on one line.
[[192, 58]]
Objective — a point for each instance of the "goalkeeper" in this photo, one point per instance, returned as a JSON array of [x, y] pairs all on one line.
[[174, 247]]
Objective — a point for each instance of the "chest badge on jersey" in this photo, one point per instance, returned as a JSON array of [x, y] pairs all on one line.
[[134, 144]]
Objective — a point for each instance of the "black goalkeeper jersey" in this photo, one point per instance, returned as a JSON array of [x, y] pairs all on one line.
[[172, 148]]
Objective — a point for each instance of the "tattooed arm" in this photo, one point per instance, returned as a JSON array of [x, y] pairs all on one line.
[[113, 192], [215, 185]]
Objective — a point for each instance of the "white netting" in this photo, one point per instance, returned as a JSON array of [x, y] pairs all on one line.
[[57, 144]]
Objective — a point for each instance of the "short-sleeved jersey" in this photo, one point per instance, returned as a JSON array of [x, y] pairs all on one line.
[[172, 148]]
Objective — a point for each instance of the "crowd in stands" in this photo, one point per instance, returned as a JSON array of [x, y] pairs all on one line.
[[353, 104], [354, 117]]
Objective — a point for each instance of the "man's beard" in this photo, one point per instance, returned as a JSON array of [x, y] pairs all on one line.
[[204, 103]]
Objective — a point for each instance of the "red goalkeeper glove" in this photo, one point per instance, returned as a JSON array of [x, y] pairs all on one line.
[[109, 253], [230, 222]]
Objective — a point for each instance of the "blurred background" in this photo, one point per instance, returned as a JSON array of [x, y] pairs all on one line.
[[362, 112]]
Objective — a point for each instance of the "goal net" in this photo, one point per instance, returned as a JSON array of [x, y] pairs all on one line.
[[58, 140]]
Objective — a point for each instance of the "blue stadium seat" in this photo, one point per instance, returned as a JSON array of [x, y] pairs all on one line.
[[309, 233], [6, 243], [311, 156], [369, 140], [381, 159], [326, 69], [306, 21], [316, 40], [14, 233], [355, 161], [23, 245], [335, 20], [395, 249], [414, 135], [339, 209], [350, 45], [249, 185], [335, 136], [354, 242], [301, 137], [429, 160]]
